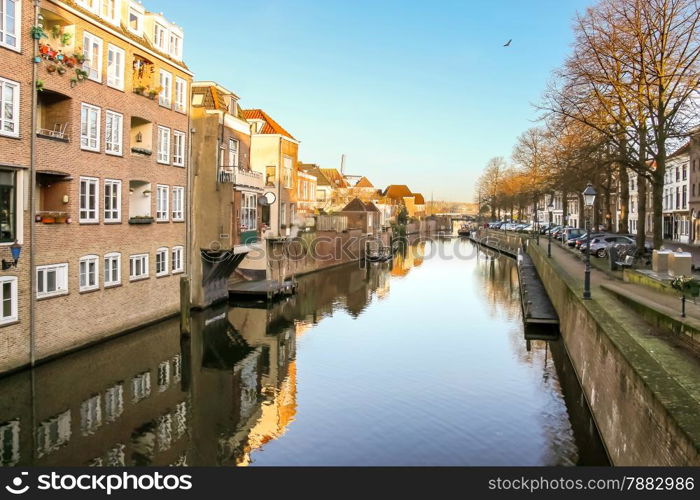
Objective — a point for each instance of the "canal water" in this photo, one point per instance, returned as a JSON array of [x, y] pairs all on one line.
[[423, 361]]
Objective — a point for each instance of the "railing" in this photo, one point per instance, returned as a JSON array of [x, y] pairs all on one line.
[[226, 175], [240, 176]]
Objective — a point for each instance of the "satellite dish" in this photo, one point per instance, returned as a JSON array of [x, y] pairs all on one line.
[[270, 197]]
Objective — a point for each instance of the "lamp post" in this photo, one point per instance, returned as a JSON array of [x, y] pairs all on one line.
[[550, 208], [537, 221], [588, 200]]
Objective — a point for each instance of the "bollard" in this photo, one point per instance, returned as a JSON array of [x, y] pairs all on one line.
[[185, 306], [683, 306]]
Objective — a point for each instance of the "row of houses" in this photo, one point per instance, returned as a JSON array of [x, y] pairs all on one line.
[[120, 174]]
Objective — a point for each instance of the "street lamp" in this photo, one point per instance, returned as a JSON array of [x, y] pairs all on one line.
[[588, 200], [550, 208]]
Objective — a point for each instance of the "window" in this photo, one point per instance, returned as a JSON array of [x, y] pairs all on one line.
[[283, 214], [138, 267], [9, 106], [110, 10], [92, 50], [113, 200], [685, 197], [141, 387], [162, 262], [166, 95], [114, 402], [51, 280], [678, 196], [10, 17], [163, 376], [88, 273], [91, 5], [163, 145], [685, 172], [8, 203], [232, 153], [53, 433], [162, 208], [115, 67], [89, 127], [89, 191], [249, 212], [113, 269], [180, 94], [178, 149], [178, 262], [287, 172], [135, 21], [178, 203], [91, 415], [114, 131], [8, 299], [176, 45], [9, 443], [160, 35]]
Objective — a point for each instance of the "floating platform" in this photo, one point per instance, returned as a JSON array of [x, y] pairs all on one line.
[[263, 289], [537, 308]]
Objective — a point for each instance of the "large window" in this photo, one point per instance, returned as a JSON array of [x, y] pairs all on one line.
[[178, 149], [8, 204], [176, 45], [89, 271], [288, 177], [115, 67], [111, 10], [89, 192], [178, 259], [113, 269], [162, 203], [162, 262], [113, 200], [9, 107], [249, 212], [51, 280], [178, 203], [180, 95], [160, 37], [163, 145], [166, 82], [10, 18], [114, 133], [89, 127], [92, 50], [8, 299], [232, 153], [138, 267]]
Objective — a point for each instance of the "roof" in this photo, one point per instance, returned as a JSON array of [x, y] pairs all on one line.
[[358, 181], [313, 169], [683, 150], [270, 126], [357, 205], [419, 199], [336, 178], [397, 192]]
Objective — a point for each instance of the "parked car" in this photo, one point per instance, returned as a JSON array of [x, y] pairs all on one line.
[[571, 233], [582, 239], [599, 245]]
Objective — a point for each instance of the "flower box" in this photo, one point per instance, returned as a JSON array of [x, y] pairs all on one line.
[[141, 220]]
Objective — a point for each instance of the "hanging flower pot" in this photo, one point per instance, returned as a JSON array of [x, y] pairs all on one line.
[[38, 32], [51, 68], [44, 49], [70, 62], [61, 70], [51, 54], [60, 57]]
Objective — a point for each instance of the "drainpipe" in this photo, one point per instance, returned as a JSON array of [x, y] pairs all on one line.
[[189, 194], [32, 194]]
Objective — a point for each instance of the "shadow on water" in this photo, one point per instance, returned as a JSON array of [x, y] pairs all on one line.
[[366, 365]]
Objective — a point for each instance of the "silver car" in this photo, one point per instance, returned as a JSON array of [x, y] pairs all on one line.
[[600, 244]]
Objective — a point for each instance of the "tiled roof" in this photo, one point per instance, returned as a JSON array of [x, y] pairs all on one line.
[[321, 179], [270, 126], [357, 205], [336, 178], [397, 192], [358, 181], [419, 199]]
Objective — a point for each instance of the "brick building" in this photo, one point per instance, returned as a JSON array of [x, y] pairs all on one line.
[[108, 203]]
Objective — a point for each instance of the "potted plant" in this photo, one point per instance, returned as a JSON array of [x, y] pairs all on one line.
[[38, 32], [73, 82], [153, 93], [55, 31], [48, 218], [687, 285], [79, 57], [62, 70], [140, 89], [51, 68], [81, 75], [44, 49], [40, 85], [65, 38], [61, 218], [70, 62]]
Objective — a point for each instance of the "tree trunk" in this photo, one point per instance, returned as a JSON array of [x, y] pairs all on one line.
[[624, 199], [641, 210], [657, 200], [564, 208]]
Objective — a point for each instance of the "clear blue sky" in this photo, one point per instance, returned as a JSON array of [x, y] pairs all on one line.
[[418, 93]]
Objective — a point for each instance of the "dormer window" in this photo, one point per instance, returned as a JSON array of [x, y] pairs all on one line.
[[160, 37], [232, 106], [91, 5], [110, 10], [135, 21], [176, 45]]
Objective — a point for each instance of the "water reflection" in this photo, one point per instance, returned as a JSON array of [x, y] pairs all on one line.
[[412, 362]]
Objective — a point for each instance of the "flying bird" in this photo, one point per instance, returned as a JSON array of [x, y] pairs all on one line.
[[507, 44]]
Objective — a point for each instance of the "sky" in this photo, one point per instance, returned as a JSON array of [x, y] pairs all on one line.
[[421, 93]]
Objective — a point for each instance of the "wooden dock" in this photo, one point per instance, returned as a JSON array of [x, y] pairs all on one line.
[[263, 289], [537, 308]]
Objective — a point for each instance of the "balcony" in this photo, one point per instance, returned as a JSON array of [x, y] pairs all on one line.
[[53, 114], [241, 177]]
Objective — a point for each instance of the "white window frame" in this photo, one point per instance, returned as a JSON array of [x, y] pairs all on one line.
[[90, 141], [178, 203], [114, 145], [16, 25], [166, 95], [249, 211], [13, 104], [160, 45], [163, 254], [90, 217], [163, 145], [144, 267], [109, 260], [89, 42], [113, 205], [162, 203], [61, 271], [91, 5], [116, 58], [288, 167], [179, 148], [178, 256], [175, 51], [117, 11], [12, 281], [84, 269], [180, 95], [234, 147], [139, 20]]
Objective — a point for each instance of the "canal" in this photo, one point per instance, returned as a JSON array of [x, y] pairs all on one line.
[[420, 362]]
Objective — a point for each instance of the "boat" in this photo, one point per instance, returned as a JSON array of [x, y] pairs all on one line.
[[381, 254], [464, 231]]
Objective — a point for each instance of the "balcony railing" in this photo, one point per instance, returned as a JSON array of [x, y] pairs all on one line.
[[240, 177]]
